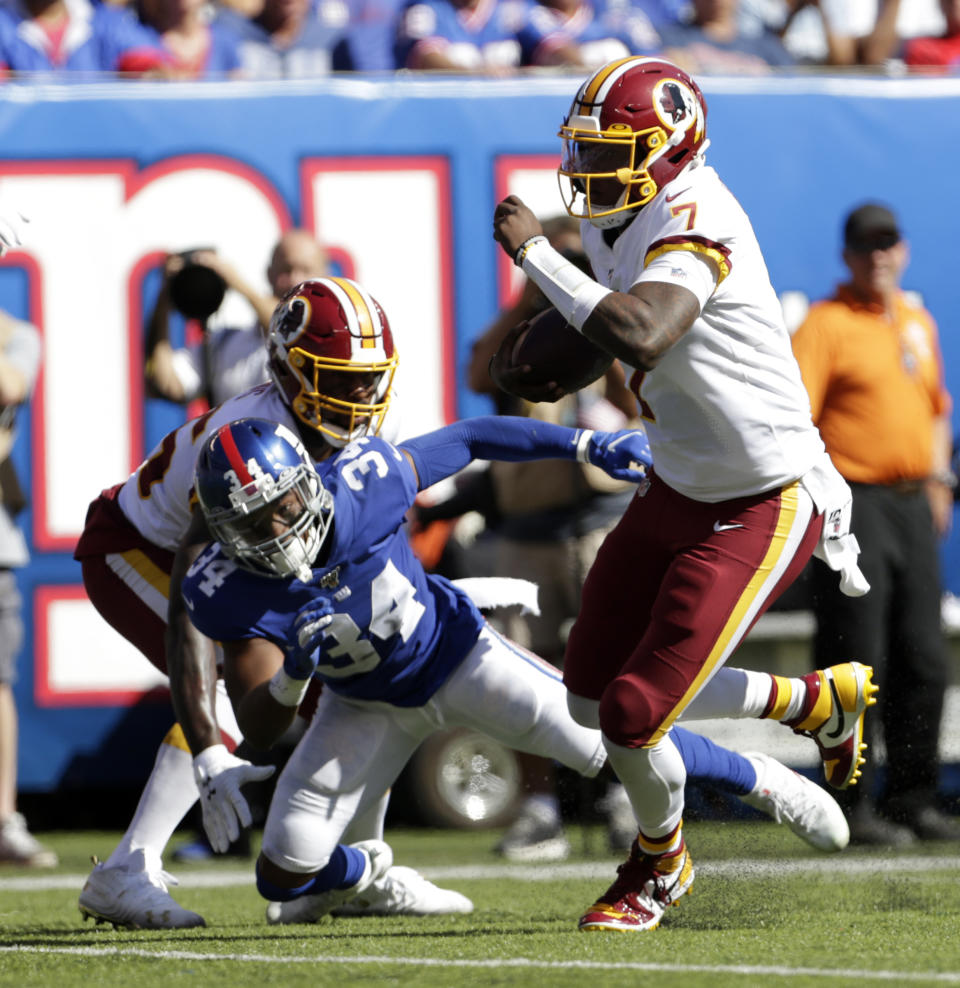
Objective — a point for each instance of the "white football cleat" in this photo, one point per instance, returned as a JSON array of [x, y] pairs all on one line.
[[18, 846], [790, 798], [404, 892], [536, 834], [310, 908], [134, 898]]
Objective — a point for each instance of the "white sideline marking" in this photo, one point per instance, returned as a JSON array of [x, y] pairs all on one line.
[[747, 868], [847, 974]]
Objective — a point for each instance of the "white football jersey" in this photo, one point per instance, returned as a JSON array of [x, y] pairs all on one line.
[[725, 408], [157, 498]]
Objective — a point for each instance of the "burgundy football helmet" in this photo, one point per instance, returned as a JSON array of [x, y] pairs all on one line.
[[331, 354], [634, 125]]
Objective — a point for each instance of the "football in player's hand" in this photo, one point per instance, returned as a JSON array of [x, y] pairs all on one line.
[[555, 351]]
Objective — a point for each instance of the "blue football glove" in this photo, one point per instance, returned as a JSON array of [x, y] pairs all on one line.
[[309, 629], [625, 455]]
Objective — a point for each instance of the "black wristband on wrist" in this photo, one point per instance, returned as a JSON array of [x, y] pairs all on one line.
[[524, 247]]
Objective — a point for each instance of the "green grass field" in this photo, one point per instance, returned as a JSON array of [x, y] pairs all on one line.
[[764, 910]]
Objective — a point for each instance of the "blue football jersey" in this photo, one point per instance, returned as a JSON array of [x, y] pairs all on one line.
[[397, 632]]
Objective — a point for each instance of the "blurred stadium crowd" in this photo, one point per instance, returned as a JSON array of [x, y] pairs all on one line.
[[271, 39]]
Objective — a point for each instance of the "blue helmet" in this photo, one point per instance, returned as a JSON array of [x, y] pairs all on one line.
[[243, 468]]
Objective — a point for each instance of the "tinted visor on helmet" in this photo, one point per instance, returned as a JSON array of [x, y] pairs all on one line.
[[342, 399], [603, 173]]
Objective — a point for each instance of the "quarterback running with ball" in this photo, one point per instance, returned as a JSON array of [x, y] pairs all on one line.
[[742, 490]]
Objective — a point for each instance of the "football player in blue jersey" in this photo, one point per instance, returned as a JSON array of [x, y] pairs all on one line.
[[312, 576]]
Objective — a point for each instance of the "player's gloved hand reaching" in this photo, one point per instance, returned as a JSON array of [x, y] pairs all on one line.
[[624, 455], [219, 776], [12, 222], [309, 627]]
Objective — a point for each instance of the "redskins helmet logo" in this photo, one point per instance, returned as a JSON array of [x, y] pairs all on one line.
[[674, 103], [293, 319]]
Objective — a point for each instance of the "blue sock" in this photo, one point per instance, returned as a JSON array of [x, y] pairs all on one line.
[[345, 868], [708, 762]]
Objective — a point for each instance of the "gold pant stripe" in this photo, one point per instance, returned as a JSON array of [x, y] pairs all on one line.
[[789, 501]]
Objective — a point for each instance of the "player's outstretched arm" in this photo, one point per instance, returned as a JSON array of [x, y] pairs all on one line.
[[436, 455], [11, 226]]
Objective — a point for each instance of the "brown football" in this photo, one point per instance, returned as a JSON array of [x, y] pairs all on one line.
[[556, 352]]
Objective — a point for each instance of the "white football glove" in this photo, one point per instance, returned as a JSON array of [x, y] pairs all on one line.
[[219, 777], [12, 222]]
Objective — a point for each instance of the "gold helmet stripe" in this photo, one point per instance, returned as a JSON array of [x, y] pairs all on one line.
[[367, 320], [606, 77]]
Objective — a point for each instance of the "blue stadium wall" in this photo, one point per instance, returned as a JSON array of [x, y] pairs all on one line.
[[400, 177]]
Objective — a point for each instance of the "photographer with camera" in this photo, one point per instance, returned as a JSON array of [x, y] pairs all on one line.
[[226, 361]]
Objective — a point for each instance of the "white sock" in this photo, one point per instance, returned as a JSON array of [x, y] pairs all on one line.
[[654, 779], [730, 693], [169, 794]]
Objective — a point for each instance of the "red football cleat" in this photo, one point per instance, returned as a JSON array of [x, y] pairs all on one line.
[[646, 884]]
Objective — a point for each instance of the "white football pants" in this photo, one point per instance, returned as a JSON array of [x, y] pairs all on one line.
[[354, 750]]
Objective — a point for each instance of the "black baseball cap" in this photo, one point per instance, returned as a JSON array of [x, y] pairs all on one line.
[[871, 225]]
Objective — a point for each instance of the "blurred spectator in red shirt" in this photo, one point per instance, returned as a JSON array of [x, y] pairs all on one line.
[[943, 51]]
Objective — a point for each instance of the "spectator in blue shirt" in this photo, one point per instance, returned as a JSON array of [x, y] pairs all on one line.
[[462, 35], [288, 39], [75, 36], [713, 42], [195, 47], [586, 34], [367, 45]]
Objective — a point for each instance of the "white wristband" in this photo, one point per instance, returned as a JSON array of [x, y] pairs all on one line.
[[210, 761], [572, 292], [583, 445], [286, 690]]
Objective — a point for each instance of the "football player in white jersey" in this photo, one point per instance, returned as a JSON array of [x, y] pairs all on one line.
[[742, 491], [332, 361]]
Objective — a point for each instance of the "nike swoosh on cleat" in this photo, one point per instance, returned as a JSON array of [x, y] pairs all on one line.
[[841, 720], [720, 527]]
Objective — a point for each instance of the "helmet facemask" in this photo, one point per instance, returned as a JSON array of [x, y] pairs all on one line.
[[325, 394], [332, 356], [241, 528], [593, 158]]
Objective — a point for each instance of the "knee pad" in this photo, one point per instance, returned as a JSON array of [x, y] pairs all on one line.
[[627, 715], [584, 711]]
